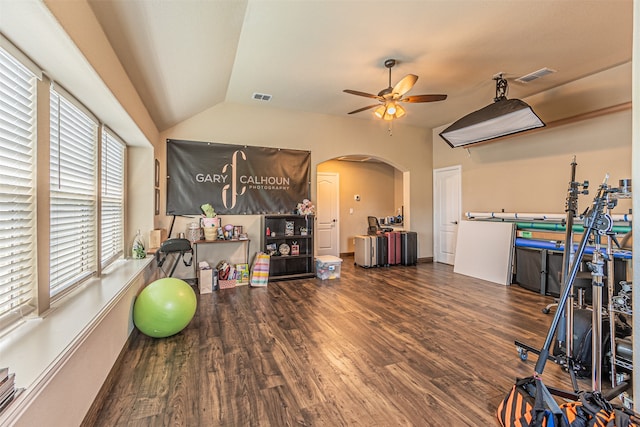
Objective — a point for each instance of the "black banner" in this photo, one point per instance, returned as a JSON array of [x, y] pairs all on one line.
[[235, 179]]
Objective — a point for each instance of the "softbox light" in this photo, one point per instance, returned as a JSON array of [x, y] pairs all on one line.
[[503, 117]]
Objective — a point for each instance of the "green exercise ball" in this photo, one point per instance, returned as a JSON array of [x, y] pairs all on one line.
[[164, 307]]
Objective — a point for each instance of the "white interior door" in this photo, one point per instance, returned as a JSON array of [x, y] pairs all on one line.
[[327, 233], [446, 212]]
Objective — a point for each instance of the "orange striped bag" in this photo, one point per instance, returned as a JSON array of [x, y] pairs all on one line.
[[530, 404], [593, 410]]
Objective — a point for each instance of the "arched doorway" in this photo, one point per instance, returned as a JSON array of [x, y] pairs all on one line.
[[367, 187]]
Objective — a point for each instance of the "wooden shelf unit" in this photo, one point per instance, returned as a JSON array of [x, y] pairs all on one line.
[[287, 267]]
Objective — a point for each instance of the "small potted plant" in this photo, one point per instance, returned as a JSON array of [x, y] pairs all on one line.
[[209, 222]]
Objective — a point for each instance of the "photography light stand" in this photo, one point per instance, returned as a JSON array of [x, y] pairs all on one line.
[[617, 304], [563, 319], [595, 221], [571, 210], [597, 274]]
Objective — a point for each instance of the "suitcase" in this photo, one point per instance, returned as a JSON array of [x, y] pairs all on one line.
[[370, 251], [365, 251], [393, 242], [408, 247], [382, 251]]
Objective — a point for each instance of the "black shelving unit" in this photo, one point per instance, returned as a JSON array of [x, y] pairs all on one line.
[[288, 230]]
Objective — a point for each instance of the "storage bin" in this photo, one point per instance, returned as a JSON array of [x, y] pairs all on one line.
[[328, 267], [227, 284]]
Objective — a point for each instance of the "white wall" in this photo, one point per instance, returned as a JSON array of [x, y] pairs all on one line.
[[327, 137], [530, 172]]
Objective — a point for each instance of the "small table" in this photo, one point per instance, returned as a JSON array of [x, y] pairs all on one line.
[[218, 242]]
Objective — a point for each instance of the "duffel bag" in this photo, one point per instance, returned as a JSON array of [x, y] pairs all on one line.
[[530, 404]]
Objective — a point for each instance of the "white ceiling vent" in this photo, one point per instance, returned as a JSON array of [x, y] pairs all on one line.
[[535, 75], [261, 96]]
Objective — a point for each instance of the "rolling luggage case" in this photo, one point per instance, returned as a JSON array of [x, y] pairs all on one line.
[[409, 247], [382, 251], [393, 241], [365, 251]]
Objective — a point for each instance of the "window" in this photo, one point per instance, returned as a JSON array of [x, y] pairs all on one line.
[[17, 196], [112, 198], [73, 189], [85, 182]]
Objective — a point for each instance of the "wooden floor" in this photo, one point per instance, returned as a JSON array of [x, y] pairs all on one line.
[[394, 346]]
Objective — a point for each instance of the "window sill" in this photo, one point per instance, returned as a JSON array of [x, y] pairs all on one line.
[[35, 349]]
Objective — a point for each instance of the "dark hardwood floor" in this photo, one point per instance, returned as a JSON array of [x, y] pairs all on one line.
[[394, 346]]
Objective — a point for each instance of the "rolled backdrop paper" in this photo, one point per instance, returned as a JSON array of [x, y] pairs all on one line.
[[555, 246], [561, 227]]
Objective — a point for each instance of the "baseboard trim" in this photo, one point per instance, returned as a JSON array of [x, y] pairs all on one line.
[[423, 260]]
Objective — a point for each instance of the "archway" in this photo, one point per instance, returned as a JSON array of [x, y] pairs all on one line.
[[369, 186]]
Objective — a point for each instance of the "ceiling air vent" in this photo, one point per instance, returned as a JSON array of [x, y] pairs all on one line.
[[535, 75], [261, 97]]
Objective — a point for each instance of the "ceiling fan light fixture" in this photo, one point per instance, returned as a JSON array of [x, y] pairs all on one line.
[[380, 111], [389, 111], [391, 108], [391, 96], [503, 117]]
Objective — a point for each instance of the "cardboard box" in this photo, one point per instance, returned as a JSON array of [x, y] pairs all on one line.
[[156, 237]]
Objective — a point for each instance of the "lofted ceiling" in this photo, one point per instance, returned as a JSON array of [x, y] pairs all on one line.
[[185, 56]]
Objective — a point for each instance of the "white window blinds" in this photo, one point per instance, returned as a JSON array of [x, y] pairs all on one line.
[[112, 198], [17, 211], [72, 194]]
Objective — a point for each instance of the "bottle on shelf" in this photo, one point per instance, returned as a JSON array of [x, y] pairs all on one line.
[[137, 248]]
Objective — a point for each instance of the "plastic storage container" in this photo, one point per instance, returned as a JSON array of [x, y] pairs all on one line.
[[328, 267]]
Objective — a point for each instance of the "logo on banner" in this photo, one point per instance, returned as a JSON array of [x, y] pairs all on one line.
[[239, 184], [230, 191]]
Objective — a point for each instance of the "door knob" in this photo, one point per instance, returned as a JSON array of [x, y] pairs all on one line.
[[454, 222]]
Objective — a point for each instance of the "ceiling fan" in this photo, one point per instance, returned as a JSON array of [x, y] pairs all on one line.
[[388, 108]]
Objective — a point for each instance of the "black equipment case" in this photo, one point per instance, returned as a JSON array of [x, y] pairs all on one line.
[[382, 249], [409, 247]]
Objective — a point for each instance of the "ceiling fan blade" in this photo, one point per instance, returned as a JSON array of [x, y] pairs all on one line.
[[405, 85], [424, 98], [356, 92], [363, 108]]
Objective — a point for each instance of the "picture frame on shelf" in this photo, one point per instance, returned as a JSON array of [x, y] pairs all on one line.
[[289, 228]]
